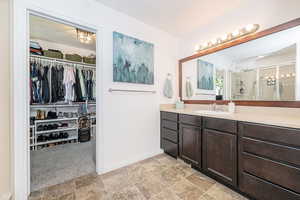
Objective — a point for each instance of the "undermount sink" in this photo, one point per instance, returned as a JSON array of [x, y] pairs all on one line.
[[212, 112]]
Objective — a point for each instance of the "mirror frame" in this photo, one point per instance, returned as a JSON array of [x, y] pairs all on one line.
[[275, 29]]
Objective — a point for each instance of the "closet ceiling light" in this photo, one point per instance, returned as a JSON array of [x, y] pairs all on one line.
[[249, 29], [84, 36]]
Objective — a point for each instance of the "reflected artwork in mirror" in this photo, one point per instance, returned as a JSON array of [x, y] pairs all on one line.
[[263, 69]]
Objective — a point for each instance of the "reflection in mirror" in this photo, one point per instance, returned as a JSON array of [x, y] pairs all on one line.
[[264, 69]]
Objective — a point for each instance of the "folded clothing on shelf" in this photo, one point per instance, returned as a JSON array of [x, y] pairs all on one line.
[[35, 48], [53, 54]]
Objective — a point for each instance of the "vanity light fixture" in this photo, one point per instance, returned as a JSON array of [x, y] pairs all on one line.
[[249, 29]]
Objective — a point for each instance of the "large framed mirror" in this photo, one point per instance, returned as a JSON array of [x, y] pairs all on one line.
[[262, 69]]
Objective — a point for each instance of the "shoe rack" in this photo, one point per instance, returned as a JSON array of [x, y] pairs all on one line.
[[52, 132]]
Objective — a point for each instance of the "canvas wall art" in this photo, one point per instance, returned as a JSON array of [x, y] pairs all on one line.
[[133, 60], [205, 78]]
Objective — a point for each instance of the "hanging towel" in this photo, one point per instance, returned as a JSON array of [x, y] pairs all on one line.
[[189, 89], [168, 89]]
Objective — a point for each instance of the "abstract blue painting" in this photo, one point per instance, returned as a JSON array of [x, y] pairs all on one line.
[[133, 60], [205, 71]]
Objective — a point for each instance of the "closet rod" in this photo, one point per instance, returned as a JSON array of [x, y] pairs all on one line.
[[64, 61], [139, 91]]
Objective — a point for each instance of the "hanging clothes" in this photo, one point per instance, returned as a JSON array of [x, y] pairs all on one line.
[[68, 82], [54, 84], [82, 85], [77, 87], [35, 81], [94, 86], [45, 89], [60, 82]]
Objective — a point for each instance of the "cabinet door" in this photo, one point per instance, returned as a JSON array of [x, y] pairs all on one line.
[[220, 155], [190, 144]]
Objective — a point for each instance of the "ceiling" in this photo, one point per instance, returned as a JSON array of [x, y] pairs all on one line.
[[51, 31], [177, 17]]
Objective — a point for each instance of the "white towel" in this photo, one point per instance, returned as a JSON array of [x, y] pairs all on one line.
[[168, 89], [189, 89]]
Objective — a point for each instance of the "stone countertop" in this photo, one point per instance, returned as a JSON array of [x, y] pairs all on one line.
[[284, 117]]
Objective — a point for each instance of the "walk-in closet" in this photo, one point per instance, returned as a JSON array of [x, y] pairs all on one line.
[[62, 130]]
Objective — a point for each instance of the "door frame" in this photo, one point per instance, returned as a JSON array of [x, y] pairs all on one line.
[[21, 109]]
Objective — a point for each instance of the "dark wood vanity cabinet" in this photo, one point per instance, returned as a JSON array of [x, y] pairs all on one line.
[[169, 133], [269, 162], [190, 143], [259, 160], [220, 149]]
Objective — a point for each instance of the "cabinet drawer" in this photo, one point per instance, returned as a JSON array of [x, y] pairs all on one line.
[[190, 119], [170, 147], [279, 135], [170, 135], [271, 150], [277, 173], [169, 125], [169, 116], [263, 190], [225, 125]]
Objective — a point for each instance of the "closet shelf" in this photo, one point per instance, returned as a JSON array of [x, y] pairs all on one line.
[[54, 141], [56, 130], [56, 120], [64, 61], [58, 105]]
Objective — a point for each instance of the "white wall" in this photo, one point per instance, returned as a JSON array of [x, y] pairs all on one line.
[[130, 128], [266, 13], [4, 100]]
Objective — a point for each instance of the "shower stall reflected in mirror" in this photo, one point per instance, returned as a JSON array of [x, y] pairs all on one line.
[[275, 83]]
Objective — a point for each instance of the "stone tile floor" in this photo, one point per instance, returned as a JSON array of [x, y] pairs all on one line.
[[157, 178]]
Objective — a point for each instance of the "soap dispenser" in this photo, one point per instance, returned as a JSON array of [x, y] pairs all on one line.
[[179, 104], [231, 107]]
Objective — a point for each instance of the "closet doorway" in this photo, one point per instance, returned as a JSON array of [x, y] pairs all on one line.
[[62, 129]]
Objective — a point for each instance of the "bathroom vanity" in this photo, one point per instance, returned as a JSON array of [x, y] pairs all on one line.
[[259, 160]]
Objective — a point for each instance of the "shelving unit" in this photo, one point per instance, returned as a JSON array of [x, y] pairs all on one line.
[[56, 120], [59, 105], [34, 144], [56, 141], [55, 130], [63, 61]]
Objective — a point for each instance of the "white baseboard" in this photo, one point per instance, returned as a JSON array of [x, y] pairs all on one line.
[[130, 161], [5, 196]]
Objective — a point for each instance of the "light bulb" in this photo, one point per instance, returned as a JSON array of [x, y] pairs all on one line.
[[250, 27], [293, 74], [214, 41], [219, 41], [224, 38], [235, 33], [205, 45], [288, 75]]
